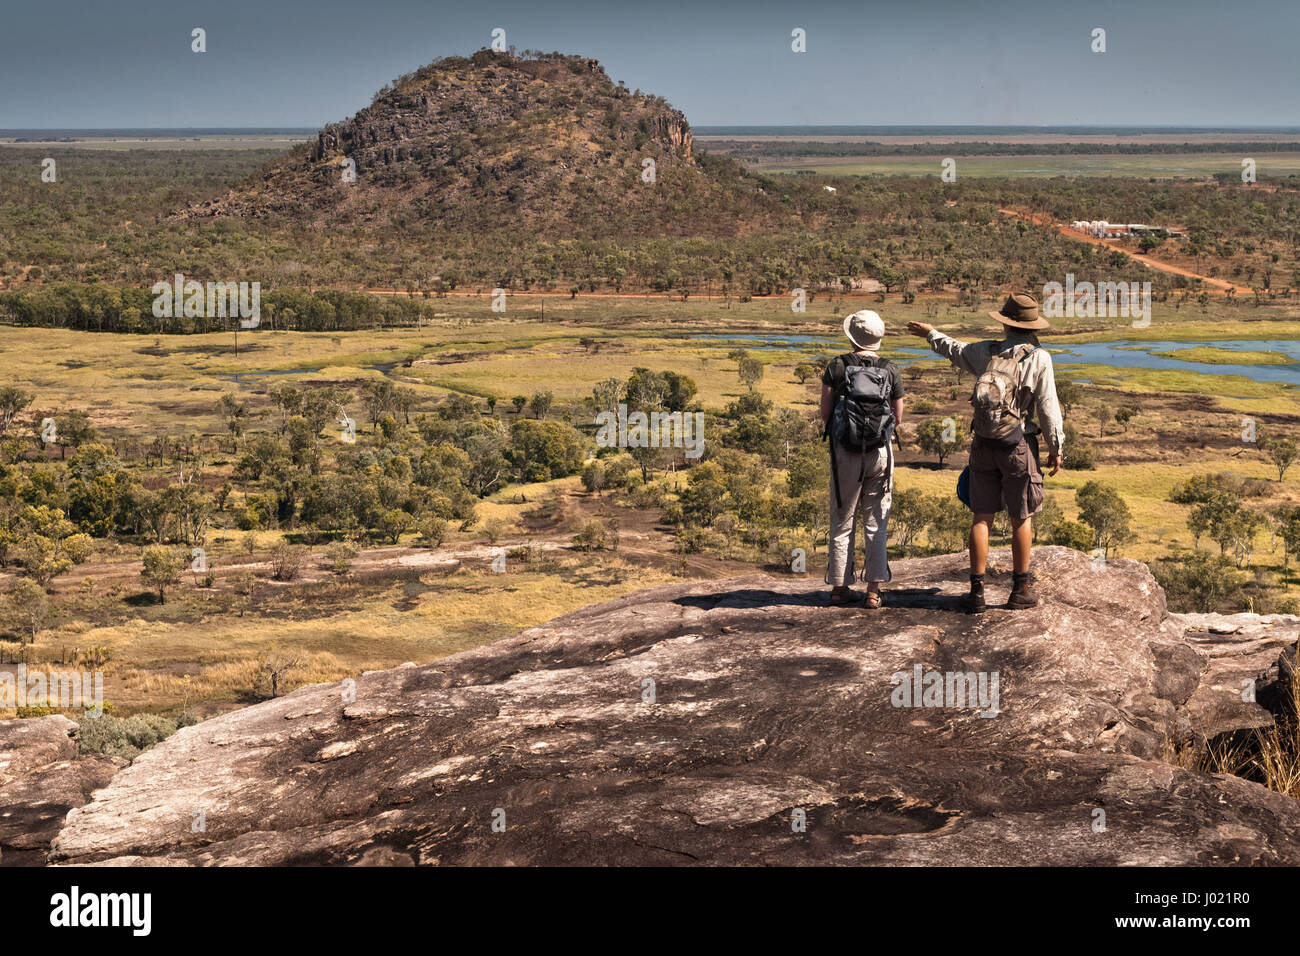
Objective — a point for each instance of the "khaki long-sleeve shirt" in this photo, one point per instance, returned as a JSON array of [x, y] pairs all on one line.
[[1037, 380]]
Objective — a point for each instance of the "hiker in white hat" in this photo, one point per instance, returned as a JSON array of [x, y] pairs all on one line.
[[861, 406]]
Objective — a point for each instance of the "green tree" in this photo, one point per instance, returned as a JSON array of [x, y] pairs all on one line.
[[29, 608], [50, 544], [941, 437], [541, 404], [910, 514], [1102, 509], [162, 568], [394, 523], [541, 450], [1281, 452], [750, 371], [12, 402]]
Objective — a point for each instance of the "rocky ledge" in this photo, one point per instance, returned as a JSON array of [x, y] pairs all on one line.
[[745, 722]]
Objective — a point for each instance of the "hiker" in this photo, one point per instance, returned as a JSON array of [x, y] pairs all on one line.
[[862, 404], [1014, 383]]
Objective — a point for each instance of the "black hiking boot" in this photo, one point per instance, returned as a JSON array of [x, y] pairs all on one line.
[[973, 603], [1021, 595]]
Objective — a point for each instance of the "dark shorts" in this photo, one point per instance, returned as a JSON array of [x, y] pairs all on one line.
[[1005, 477]]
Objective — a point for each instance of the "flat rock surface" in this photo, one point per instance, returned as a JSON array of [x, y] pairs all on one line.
[[730, 722]]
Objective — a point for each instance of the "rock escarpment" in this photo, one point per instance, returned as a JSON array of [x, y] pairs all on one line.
[[735, 722]]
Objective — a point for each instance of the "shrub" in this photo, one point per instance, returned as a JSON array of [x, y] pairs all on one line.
[[128, 737], [1198, 581], [286, 560], [591, 537], [341, 554]]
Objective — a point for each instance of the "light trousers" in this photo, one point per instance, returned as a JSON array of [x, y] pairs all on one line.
[[866, 481]]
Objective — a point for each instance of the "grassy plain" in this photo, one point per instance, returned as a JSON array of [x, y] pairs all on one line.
[[1190, 165]]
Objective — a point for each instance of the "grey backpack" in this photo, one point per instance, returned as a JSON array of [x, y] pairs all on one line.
[[996, 398]]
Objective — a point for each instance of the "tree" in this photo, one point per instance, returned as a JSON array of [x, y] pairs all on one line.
[[1078, 453], [1048, 518], [1288, 529], [1282, 452], [274, 668], [606, 394], [594, 478], [544, 450], [1124, 415], [74, 429], [162, 568], [804, 372], [519, 401], [941, 437], [432, 530], [910, 514], [1068, 393], [50, 544], [12, 401], [1101, 507], [1103, 413], [541, 404], [30, 610], [750, 371], [394, 523]]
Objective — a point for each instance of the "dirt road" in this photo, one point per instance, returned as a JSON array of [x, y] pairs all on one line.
[[1218, 285]]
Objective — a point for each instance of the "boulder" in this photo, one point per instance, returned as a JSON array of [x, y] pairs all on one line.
[[738, 721]]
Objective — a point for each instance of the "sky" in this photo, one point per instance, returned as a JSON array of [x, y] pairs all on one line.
[[278, 63]]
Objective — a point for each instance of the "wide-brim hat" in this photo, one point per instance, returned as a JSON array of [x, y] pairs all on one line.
[[864, 329], [1020, 311]]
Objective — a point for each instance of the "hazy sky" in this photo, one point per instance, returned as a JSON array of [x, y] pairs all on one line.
[[92, 63]]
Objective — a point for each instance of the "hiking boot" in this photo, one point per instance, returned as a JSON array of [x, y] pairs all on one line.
[[1022, 596], [973, 603]]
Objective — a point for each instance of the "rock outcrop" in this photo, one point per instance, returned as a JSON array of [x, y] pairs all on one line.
[[41, 778], [739, 722], [547, 145]]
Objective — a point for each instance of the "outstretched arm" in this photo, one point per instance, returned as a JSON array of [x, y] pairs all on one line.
[[951, 349]]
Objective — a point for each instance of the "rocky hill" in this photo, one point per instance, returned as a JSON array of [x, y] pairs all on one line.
[[767, 707], [546, 146]]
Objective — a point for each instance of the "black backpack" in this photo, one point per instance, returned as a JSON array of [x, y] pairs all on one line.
[[862, 419]]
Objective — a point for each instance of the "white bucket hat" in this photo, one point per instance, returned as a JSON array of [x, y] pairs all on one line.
[[865, 329]]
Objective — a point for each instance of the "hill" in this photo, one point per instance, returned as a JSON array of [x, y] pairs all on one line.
[[694, 723], [546, 145]]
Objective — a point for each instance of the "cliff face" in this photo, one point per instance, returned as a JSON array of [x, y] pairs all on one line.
[[744, 721], [551, 146]]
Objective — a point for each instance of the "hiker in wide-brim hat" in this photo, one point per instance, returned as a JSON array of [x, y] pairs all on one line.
[[1020, 311], [1014, 402], [861, 406]]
